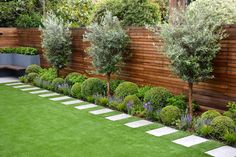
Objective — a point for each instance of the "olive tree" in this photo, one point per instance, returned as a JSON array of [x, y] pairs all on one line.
[[191, 42], [108, 45], [56, 41]]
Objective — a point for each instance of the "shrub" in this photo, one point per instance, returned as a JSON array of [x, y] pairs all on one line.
[[57, 82], [48, 74], [205, 130], [116, 103], [133, 104], [20, 50], [231, 111], [142, 91], [157, 97], [230, 138], [28, 20], [8, 13], [210, 114], [76, 90], [222, 125], [178, 101], [23, 79], [65, 89], [31, 77], [103, 101], [126, 88], [185, 122], [33, 68], [91, 87], [130, 12], [113, 85], [75, 77], [170, 114]]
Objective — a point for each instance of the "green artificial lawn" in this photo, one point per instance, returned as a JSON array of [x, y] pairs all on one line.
[[31, 126]]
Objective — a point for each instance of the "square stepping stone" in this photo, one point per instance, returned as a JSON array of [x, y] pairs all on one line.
[[22, 86], [39, 91], [72, 102], [16, 83], [190, 140], [118, 117], [138, 123], [162, 131], [82, 107], [225, 151], [60, 98], [49, 94], [101, 111], [29, 89]]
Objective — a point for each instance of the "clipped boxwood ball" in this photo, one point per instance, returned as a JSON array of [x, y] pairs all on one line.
[[75, 77], [33, 68], [134, 101], [210, 114], [76, 90], [91, 87], [32, 76], [170, 114], [222, 125], [57, 81], [157, 96], [126, 88]]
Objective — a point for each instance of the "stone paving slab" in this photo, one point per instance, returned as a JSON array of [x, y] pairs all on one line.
[[8, 79], [139, 123], [82, 107], [22, 86], [60, 98], [16, 83], [39, 91], [224, 151], [49, 94], [101, 111], [162, 131], [29, 89], [118, 117], [72, 102], [190, 140]]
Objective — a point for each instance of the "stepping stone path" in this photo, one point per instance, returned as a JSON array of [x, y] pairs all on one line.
[[101, 111], [72, 102], [22, 86], [82, 107], [12, 84], [39, 91], [138, 123], [225, 151], [162, 131], [190, 140], [28, 89], [60, 98], [49, 94], [118, 117]]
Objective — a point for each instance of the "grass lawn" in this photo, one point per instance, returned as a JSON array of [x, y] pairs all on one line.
[[32, 126]]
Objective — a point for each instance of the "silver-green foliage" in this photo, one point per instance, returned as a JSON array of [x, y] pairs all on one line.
[[191, 44], [108, 42], [56, 41]]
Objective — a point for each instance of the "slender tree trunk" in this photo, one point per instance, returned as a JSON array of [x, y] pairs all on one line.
[[190, 99], [108, 84]]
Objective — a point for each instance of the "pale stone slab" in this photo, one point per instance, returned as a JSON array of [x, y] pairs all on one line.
[[60, 98], [29, 89], [49, 94], [22, 86], [101, 111], [39, 91], [8, 79], [190, 140], [162, 131], [82, 107], [72, 102], [225, 151], [118, 117], [138, 123], [13, 84]]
